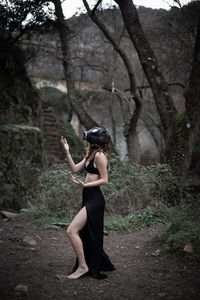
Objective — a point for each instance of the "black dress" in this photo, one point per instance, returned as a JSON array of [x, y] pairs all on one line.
[[92, 233]]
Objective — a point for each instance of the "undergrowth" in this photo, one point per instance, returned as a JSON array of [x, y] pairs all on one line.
[[44, 217], [135, 187], [183, 228], [135, 196], [111, 222], [131, 221], [131, 188]]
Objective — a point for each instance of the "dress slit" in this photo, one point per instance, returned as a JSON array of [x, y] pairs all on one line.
[[92, 233]]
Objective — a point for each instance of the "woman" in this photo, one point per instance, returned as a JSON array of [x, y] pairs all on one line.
[[86, 230]]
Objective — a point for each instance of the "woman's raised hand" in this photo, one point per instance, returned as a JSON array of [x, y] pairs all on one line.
[[64, 144]]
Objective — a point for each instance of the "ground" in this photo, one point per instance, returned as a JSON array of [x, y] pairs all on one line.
[[40, 258]]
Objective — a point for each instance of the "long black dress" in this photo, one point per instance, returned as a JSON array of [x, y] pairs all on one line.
[[92, 233]]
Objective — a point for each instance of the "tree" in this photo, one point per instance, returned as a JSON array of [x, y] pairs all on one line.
[[179, 128], [18, 17], [131, 134], [66, 35]]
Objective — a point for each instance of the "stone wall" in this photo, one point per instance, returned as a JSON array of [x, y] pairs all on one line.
[[21, 152]]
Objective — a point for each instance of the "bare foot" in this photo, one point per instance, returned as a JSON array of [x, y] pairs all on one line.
[[78, 273]]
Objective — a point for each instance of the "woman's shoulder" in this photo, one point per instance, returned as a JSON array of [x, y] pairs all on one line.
[[100, 155]]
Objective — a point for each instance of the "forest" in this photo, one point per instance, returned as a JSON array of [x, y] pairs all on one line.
[[136, 71]]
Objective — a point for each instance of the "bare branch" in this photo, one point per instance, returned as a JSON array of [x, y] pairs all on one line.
[[117, 47], [143, 87], [123, 97], [96, 6], [169, 84]]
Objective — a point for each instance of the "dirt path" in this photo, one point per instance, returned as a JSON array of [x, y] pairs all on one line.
[[38, 258]]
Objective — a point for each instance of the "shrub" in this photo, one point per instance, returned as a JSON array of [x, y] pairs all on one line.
[[183, 228], [44, 217], [134, 187], [131, 188], [138, 219], [56, 191]]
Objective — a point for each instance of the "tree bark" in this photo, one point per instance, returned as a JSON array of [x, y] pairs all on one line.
[[179, 129], [66, 35], [149, 63], [192, 103], [185, 126], [132, 139]]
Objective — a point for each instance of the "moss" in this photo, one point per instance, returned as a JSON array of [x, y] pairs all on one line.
[[19, 144], [178, 118], [17, 127]]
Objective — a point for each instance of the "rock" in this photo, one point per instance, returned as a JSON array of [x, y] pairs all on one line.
[[18, 248], [24, 210], [156, 253], [8, 214], [161, 295], [33, 249], [54, 227], [61, 224], [21, 288], [28, 240], [188, 248]]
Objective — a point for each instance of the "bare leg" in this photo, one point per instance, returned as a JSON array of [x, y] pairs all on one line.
[[73, 233]]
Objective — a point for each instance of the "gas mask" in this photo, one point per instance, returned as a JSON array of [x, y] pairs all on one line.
[[96, 136]]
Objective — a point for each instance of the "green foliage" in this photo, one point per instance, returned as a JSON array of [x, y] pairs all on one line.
[[44, 217], [126, 126], [131, 190], [133, 187], [16, 128], [139, 219], [175, 153], [178, 118], [183, 228], [18, 15], [56, 191], [21, 153]]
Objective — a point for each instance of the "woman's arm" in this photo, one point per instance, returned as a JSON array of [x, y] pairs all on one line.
[[73, 167]]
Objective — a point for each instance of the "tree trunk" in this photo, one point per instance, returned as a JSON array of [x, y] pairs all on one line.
[[132, 139], [66, 35], [159, 87], [179, 129], [188, 123]]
